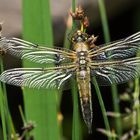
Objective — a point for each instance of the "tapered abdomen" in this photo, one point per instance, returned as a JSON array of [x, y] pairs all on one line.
[[85, 99]]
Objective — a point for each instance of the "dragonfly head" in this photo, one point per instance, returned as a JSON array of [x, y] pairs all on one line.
[[79, 36]]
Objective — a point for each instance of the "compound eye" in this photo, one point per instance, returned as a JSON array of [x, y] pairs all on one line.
[[84, 37]]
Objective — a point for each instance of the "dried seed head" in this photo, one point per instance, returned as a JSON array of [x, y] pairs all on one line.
[[85, 22], [78, 14], [79, 10], [91, 40]]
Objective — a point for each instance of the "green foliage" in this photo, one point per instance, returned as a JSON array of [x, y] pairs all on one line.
[[107, 39], [135, 113], [40, 105]]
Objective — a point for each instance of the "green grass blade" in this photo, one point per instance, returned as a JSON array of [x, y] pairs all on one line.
[[137, 82], [98, 92], [73, 10], [136, 137], [40, 105], [2, 113], [113, 87], [104, 20], [136, 105], [2, 107], [76, 129], [7, 123], [8, 128]]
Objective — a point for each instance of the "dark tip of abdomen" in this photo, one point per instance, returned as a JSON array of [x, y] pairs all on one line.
[[87, 115]]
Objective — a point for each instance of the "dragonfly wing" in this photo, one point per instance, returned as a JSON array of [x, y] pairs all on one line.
[[121, 49], [37, 77], [35, 53], [115, 72]]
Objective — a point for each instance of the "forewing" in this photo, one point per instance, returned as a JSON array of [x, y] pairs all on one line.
[[37, 77], [35, 53], [109, 72], [121, 49]]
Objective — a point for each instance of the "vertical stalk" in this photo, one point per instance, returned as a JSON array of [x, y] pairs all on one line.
[[136, 106], [2, 109], [7, 124], [136, 25], [76, 129], [98, 92], [2, 112], [40, 105], [113, 87]]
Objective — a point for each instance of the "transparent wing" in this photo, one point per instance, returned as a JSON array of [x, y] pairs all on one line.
[[38, 77], [109, 72], [121, 49], [35, 53]]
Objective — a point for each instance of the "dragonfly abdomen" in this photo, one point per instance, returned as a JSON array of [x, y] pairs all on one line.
[[85, 97]]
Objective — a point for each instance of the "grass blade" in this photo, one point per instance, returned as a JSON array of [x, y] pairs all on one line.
[[76, 131], [2, 113], [137, 82], [40, 105], [7, 123], [98, 92], [113, 87], [104, 20]]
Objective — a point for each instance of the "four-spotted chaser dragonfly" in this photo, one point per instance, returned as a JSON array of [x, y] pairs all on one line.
[[115, 62]]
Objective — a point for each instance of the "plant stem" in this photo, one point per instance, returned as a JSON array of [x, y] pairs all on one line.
[[113, 87], [2, 112], [76, 129], [104, 20], [137, 105], [6, 116], [76, 135], [40, 105], [102, 106]]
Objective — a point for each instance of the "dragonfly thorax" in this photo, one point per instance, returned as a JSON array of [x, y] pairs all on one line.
[[80, 46], [82, 63]]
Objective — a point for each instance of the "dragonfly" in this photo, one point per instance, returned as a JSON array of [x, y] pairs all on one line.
[[113, 63]]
